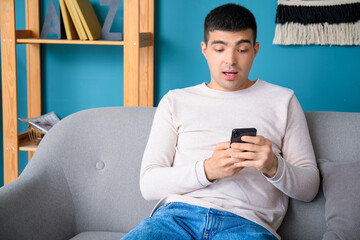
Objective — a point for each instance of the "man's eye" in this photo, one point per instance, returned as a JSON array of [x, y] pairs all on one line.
[[219, 50], [243, 50]]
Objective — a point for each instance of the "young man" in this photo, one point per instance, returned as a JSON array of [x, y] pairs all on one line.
[[207, 188]]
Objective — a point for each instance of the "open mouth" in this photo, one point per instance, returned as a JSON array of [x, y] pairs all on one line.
[[230, 75]]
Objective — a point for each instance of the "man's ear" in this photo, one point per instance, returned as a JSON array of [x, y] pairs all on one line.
[[203, 48], [256, 48]]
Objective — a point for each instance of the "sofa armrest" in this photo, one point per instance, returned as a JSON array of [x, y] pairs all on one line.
[[36, 206]]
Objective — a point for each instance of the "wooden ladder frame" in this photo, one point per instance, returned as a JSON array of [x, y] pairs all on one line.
[[138, 68]]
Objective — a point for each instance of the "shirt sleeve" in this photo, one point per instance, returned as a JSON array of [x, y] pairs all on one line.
[[297, 175], [158, 176]]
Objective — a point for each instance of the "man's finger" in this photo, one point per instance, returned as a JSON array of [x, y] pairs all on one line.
[[244, 155], [223, 145], [251, 147], [258, 140], [246, 163]]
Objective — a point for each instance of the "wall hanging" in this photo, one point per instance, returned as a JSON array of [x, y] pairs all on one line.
[[327, 22]]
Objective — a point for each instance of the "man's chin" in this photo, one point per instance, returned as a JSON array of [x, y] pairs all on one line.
[[231, 85]]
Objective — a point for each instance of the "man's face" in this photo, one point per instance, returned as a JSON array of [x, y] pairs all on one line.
[[230, 56]]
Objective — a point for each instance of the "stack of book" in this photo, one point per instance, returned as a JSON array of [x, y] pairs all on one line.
[[80, 20]]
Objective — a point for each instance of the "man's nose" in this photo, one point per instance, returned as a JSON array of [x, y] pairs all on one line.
[[230, 58]]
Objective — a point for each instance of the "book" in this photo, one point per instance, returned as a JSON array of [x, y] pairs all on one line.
[[88, 18], [43, 123], [69, 26], [76, 20]]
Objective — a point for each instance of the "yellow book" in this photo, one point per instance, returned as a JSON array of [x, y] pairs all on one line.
[[76, 20], [68, 23], [88, 18]]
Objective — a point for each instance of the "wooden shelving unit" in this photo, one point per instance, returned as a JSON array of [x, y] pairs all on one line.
[[138, 67]]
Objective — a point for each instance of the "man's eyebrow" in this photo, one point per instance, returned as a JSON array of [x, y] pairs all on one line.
[[218, 42], [225, 43], [243, 41]]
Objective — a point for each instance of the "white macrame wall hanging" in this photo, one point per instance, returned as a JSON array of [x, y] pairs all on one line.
[[327, 22]]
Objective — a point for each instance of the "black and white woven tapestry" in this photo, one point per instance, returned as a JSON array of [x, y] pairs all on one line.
[[327, 22]]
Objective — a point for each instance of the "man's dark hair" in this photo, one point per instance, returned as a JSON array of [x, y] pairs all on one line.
[[229, 17]]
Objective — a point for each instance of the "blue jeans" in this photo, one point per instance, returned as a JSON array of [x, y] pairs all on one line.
[[183, 221]]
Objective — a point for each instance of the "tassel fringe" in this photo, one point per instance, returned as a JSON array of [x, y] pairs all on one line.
[[330, 22], [319, 34]]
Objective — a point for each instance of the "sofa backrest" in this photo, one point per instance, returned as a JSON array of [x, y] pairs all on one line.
[[99, 152], [335, 137]]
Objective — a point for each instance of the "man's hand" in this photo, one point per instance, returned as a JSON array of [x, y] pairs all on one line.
[[256, 152], [222, 164]]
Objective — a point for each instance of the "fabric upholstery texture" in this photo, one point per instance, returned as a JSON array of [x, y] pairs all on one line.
[[342, 194], [83, 181], [83, 177], [334, 135], [98, 236]]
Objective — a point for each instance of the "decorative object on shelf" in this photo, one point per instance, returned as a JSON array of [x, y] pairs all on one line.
[[84, 18], [69, 26], [105, 32], [88, 18], [35, 135], [327, 22], [52, 22], [39, 126], [43, 123], [76, 20]]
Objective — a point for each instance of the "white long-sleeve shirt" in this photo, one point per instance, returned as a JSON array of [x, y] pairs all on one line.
[[188, 125]]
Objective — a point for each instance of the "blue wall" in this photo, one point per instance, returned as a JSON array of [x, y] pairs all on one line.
[[79, 77], [323, 77]]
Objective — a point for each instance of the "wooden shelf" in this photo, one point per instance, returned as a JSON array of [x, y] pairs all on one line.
[[27, 37], [65, 41], [25, 143], [138, 44]]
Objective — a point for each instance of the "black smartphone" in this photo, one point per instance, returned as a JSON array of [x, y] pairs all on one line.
[[237, 133]]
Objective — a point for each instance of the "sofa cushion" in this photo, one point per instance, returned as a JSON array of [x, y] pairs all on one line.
[[98, 236], [342, 194]]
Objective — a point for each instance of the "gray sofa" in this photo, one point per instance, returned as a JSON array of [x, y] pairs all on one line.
[[82, 182]]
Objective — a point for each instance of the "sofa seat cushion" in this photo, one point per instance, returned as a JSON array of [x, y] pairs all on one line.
[[342, 193], [99, 236]]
